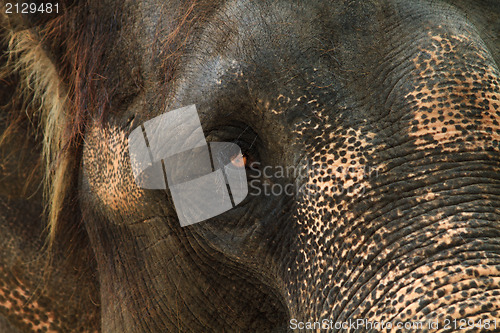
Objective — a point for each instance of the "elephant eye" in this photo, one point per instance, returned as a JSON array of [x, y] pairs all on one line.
[[239, 161], [244, 137], [244, 160]]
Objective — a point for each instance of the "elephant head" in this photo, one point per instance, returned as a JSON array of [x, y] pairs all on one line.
[[370, 135]]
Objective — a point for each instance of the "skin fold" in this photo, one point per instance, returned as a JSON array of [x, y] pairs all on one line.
[[387, 111]]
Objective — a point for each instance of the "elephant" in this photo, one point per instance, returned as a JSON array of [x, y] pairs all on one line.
[[368, 132]]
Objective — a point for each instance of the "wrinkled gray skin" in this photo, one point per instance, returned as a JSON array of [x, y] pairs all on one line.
[[406, 89]]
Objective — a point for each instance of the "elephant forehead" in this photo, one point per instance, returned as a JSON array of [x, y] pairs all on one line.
[[455, 100]]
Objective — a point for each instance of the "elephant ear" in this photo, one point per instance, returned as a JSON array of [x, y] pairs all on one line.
[[43, 51], [31, 106], [485, 16]]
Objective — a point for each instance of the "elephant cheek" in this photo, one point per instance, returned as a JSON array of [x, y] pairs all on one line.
[[339, 175]]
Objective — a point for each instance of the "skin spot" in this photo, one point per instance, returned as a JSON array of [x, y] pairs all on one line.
[[462, 117], [18, 303], [339, 176], [107, 169]]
